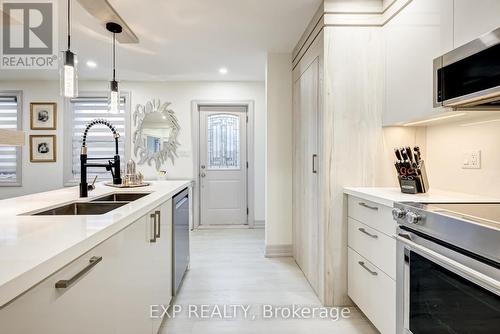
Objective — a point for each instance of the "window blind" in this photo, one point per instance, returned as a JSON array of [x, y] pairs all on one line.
[[10, 164], [100, 141]]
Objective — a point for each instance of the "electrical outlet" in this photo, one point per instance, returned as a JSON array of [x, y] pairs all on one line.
[[471, 159]]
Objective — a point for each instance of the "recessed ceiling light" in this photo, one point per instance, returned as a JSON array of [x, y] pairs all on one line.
[[91, 64], [164, 117], [223, 70]]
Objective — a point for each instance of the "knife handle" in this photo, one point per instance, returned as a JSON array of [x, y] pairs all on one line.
[[398, 155], [417, 152], [409, 153], [403, 154]]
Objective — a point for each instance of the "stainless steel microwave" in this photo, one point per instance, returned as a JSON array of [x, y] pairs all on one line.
[[469, 76]]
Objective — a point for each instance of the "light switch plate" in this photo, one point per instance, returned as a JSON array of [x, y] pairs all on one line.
[[471, 159]]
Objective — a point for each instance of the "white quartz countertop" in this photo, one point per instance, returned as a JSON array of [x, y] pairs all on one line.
[[387, 196], [34, 247]]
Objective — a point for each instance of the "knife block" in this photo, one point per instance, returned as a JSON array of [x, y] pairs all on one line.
[[415, 184]]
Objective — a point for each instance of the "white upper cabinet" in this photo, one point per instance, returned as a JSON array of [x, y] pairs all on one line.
[[474, 18], [419, 33]]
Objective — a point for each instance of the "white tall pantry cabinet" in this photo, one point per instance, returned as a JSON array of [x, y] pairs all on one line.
[[307, 94], [337, 99]]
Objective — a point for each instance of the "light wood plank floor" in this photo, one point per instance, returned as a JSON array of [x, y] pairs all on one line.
[[228, 267]]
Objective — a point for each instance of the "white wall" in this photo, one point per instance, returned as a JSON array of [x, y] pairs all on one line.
[[47, 176], [37, 177], [279, 153]]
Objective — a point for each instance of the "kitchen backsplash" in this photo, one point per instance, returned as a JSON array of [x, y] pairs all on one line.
[[445, 155], [443, 148]]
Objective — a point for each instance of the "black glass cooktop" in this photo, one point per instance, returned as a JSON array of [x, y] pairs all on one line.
[[485, 213]]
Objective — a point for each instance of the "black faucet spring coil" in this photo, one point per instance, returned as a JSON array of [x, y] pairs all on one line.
[[95, 122]]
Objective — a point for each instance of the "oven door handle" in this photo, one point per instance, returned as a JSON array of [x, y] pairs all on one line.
[[470, 274]]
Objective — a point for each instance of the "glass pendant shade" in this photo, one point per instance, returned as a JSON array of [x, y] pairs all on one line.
[[114, 97], [68, 72]]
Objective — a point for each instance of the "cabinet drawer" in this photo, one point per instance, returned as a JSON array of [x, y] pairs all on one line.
[[375, 215], [373, 291], [47, 309], [377, 247]]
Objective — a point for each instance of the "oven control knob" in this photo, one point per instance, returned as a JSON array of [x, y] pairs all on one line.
[[398, 214], [412, 218]]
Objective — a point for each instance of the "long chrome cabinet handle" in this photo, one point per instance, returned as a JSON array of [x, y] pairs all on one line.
[[158, 214], [368, 206], [314, 158], [153, 219], [66, 283], [362, 230], [362, 264]]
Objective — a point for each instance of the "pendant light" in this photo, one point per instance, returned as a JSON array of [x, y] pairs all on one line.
[[114, 93], [68, 71]]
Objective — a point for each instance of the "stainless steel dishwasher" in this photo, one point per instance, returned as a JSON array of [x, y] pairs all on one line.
[[180, 238]]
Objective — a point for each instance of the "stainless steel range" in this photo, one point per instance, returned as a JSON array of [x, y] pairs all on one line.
[[448, 278]]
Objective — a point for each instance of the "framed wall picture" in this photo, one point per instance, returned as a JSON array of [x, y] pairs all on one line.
[[43, 115], [43, 148]]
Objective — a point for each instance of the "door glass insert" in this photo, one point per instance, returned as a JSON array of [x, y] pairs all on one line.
[[444, 302], [223, 141]]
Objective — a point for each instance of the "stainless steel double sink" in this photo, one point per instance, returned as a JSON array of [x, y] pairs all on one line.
[[98, 206]]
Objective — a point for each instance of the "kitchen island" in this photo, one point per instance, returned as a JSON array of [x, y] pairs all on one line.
[[135, 237]]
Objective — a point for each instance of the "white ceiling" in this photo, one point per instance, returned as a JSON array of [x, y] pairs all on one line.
[[184, 39]]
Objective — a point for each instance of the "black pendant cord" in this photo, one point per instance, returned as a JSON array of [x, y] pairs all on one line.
[[69, 24]]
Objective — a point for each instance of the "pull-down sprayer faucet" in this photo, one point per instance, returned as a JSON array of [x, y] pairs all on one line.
[[112, 166]]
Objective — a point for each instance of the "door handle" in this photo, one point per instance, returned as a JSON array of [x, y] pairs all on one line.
[[66, 283], [203, 174], [158, 214], [153, 220], [314, 158]]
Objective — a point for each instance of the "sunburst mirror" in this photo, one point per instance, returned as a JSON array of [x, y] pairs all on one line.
[[157, 130]]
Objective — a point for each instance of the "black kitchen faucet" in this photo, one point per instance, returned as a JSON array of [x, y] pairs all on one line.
[[113, 165]]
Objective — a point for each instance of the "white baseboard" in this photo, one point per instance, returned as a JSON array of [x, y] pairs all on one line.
[[259, 224], [278, 251]]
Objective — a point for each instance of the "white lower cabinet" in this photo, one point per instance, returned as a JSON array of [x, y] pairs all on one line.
[[146, 271], [133, 271], [162, 278], [373, 291], [85, 306], [373, 245], [371, 263]]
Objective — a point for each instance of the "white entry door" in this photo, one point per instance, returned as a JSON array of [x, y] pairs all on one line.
[[223, 165]]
